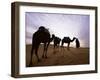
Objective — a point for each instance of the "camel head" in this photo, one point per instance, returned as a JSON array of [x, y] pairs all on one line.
[[53, 36], [73, 39], [59, 39]]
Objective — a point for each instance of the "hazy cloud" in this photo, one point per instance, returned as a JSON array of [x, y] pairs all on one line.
[[71, 25]]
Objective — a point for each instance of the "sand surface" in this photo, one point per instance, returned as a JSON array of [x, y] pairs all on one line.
[[59, 56]]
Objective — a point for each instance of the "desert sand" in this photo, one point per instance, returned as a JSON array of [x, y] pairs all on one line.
[[59, 56]]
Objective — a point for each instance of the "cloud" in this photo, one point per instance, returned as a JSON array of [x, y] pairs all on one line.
[[61, 25]]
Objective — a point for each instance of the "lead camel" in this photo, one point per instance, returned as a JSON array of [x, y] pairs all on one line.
[[42, 35]]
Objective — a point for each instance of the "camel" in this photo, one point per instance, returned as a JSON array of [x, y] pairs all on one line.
[[42, 35], [56, 41], [67, 40]]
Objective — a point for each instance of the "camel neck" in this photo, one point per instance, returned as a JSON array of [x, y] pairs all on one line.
[[72, 39]]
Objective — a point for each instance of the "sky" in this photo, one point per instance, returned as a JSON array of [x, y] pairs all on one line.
[[62, 25]]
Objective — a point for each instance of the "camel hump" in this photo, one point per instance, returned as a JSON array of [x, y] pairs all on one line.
[[66, 38], [42, 28], [58, 38]]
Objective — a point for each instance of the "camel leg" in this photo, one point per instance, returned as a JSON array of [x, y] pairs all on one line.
[[62, 44], [36, 53], [54, 46], [62, 48], [68, 46], [31, 57], [47, 45], [44, 50], [58, 47]]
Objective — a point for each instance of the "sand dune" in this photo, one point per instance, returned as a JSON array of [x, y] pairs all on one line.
[[59, 56]]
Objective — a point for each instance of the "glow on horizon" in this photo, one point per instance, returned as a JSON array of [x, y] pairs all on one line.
[[61, 25]]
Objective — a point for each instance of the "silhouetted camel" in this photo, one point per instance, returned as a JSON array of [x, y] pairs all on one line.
[[67, 40], [77, 43], [56, 41], [42, 35]]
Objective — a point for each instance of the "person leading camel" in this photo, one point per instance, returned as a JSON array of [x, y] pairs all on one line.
[[77, 43]]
